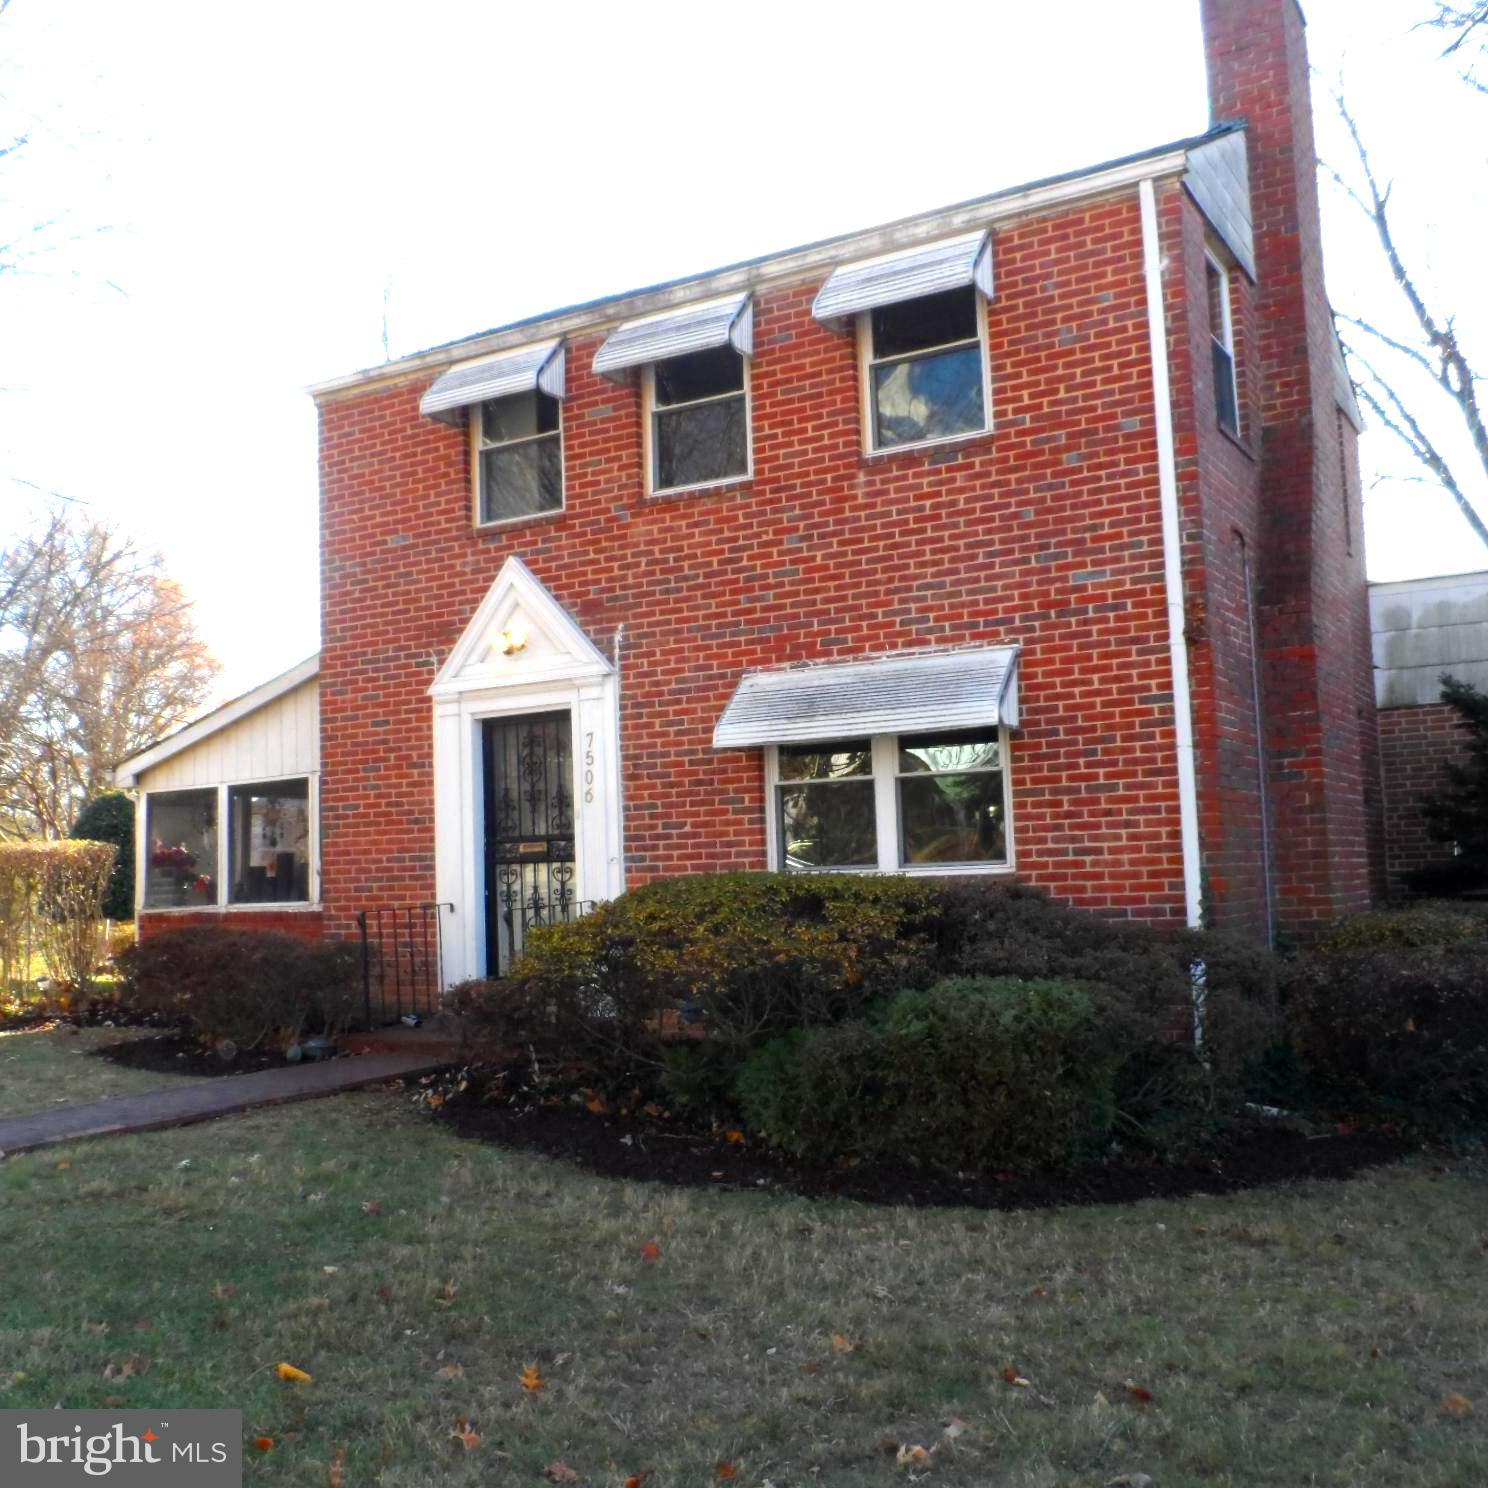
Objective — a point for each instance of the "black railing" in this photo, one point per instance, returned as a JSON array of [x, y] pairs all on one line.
[[402, 960]]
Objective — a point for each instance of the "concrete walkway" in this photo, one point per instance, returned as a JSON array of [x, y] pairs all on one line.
[[205, 1099]]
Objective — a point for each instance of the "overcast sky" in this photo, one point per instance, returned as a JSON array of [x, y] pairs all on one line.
[[232, 191]]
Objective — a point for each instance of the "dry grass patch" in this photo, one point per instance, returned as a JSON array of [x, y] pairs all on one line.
[[41, 1068], [1310, 1336]]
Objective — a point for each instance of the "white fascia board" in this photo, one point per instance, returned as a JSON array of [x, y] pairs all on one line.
[[802, 263], [127, 773]]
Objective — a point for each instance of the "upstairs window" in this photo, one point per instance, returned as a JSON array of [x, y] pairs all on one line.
[[519, 456], [926, 369], [1222, 348], [699, 419]]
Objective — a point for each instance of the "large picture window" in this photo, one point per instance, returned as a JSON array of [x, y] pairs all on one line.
[[894, 803], [181, 860], [519, 456], [269, 842], [699, 419], [926, 369]]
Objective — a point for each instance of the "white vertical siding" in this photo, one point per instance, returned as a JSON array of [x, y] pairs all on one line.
[[281, 738]]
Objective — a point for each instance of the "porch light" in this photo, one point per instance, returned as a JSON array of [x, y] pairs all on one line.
[[512, 640]]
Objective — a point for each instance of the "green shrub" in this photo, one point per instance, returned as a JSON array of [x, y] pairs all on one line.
[[969, 1073], [247, 986], [1403, 1026], [109, 817], [746, 955], [1417, 927]]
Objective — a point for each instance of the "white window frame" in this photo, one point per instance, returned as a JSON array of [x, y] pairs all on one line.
[[1225, 338], [223, 866], [649, 410], [867, 362], [476, 424], [886, 776]]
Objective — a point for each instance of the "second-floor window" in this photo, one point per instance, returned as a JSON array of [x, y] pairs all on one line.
[[926, 370], [519, 456], [1222, 348], [699, 419]]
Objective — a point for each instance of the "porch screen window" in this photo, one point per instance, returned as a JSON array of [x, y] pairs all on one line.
[[181, 864], [925, 369], [1222, 348], [699, 419], [952, 807], [520, 454], [826, 805], [269, 842]]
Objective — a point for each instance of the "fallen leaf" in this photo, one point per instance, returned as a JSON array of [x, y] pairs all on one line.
[[290, 1373], [596, 1106], [372, 1206], [450, 1372], [1012, 1377], [385, 1294], [842, 1344], [337, 1473], [264, 1443], [560, 1472], [954, 1428], [1140, 1393], [532, 1380], [734, 1138], [466, 1434], [915, 1456], [1131, 1480], [224, 1291], [447, 1293], [125, 1369], [1459, 1407], [636, 1480], [97, 1329], [651, 1251], [726, 1470], [330, 1270], [63, 1166], [811, 1368]]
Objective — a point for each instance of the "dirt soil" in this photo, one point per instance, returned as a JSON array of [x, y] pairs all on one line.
[[176, 1053], [639, 1150]]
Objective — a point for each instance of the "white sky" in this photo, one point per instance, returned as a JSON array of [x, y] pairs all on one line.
[[235, 186]]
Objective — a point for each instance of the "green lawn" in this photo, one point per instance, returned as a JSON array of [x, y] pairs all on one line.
[[39, 1070], [1302, 1337]]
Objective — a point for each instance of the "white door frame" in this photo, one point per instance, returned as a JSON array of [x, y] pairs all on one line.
[[568, 673]]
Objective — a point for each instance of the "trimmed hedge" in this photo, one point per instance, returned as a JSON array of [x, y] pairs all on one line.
[[678, 987], [247, 987], [1391, 1010], [976, 1072]]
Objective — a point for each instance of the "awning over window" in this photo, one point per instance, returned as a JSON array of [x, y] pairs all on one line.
[[896, 695], [725, 322], [519, 371], [907, 275]]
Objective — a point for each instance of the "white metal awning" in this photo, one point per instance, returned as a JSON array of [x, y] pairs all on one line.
[[902, 694], [540, 366], [953, 263], [653, 338]]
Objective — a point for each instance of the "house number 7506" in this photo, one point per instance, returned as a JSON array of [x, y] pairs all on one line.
[[589, 767]]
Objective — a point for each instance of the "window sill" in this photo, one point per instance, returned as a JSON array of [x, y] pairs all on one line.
[[504, 524], [1239, 443], [667, 492], [950, 442], [925, 870], [289, 906]]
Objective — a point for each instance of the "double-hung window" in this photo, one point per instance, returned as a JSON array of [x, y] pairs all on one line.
[[894, 803], [519, 456], [927, 376], [699, 419], [1222, 347]]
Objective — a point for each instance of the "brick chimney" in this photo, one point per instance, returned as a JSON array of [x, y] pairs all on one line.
[[1317, 674]]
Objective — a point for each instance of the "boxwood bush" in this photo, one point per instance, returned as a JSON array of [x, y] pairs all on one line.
[[249, 987]]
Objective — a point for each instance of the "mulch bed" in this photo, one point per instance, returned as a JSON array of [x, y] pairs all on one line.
[[640, 1151], [176, 1053]]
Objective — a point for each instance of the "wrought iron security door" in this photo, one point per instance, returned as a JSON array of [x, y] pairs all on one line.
[[528, 764]]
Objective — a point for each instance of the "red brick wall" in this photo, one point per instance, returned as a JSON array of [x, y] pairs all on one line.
[[1415, 743], [1317, 677], [304, 923], [1045, 533]]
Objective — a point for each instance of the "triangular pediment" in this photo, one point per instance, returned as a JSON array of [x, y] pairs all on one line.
[[519, 636]]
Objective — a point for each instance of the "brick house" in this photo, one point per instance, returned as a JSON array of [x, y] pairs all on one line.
[[1022, 536]]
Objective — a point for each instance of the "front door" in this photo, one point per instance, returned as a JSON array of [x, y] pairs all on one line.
[[528, 763]]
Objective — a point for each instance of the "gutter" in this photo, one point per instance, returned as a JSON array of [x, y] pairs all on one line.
[[1167, 481]]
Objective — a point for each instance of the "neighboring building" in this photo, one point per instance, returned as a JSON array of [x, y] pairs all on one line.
[[227, 814], [1423, 629], [1019, 536]]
